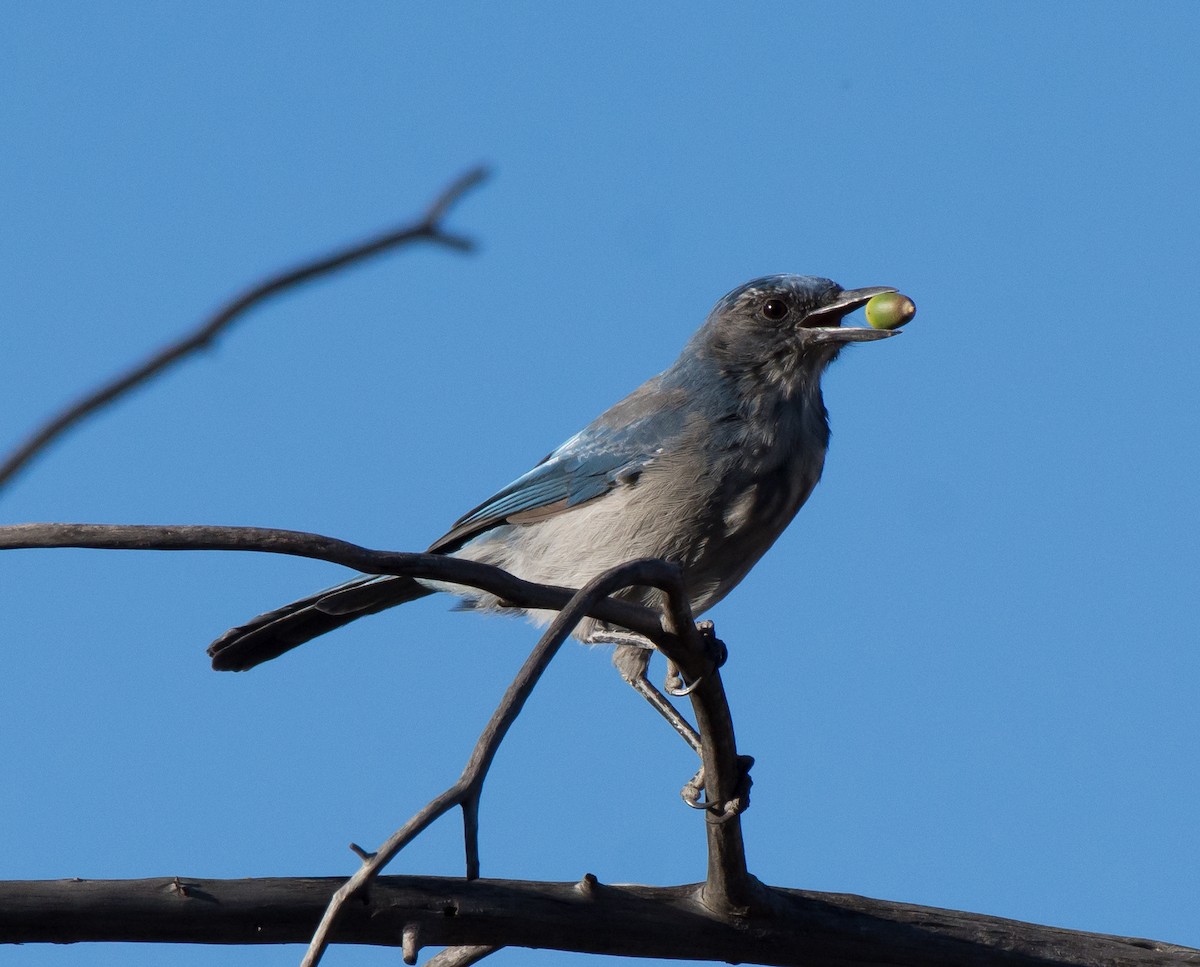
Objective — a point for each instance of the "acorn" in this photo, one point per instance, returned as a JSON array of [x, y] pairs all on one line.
[[891, 310]]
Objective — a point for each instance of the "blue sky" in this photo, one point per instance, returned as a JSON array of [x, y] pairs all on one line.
[[968, 671]]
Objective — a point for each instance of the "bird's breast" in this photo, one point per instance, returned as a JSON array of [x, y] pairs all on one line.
[[761, 480]]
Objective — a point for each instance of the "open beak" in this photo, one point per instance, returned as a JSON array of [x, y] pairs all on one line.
[[846, 302]]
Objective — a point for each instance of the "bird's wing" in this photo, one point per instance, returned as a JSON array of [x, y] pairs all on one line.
[[614, 449]]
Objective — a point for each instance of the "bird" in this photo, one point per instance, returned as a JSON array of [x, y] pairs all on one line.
[[703, 465]]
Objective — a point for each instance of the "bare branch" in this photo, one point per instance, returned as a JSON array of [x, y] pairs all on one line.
[[807, 929], [467, 790], [428, 228], [199, 537], [460, 956], [730, 889], [730, 917], [696, 653]]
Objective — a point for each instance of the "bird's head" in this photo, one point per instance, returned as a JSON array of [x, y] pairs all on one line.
[[784, 329]]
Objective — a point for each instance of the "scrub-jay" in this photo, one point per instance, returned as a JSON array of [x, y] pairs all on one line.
[[703, 465]]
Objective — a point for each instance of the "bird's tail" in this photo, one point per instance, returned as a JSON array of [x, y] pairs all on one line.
[[270, 635]]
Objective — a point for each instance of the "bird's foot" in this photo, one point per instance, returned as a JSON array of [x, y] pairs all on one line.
[[675, 685], [722, 812], [714, 649]]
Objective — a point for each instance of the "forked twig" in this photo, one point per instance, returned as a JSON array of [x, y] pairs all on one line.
[[466, 792], [729, 889], [427, 228]]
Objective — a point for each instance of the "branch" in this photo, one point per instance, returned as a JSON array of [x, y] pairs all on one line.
[[809, 929], [466, 792], [730, 889], [460, 956], [436, 567], [428, 228], [697, 654], [700, 922]]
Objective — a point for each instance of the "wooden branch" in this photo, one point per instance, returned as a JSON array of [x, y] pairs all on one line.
[[729, 885], [427, 228], [725, 877], [730, 889], [730, 917], [460, 956], [466, 792], [809, 929], [199, 537]]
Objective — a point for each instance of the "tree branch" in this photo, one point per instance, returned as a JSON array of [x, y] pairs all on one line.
[[730, 917], [461, 956], [466, 792], [809, 929], [730, 889], [427, 228], [436, 567]]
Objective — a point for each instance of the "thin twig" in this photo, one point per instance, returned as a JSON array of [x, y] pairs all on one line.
[[467, 790], [460, 956], [437, 567], [427, 228]]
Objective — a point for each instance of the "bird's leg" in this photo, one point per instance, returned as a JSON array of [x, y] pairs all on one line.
[[632, 658], [674, 684]]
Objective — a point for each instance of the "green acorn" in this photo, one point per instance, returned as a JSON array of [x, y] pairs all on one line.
[[890, 311]]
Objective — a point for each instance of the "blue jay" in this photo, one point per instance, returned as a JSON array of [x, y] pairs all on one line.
[[703, 465]]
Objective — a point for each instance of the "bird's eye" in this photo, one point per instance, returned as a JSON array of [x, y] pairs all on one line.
[[775, 309]]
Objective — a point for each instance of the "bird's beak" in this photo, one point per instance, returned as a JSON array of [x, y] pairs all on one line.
[[846, 302]]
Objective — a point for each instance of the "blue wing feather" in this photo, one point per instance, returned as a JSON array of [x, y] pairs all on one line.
[[615, 448]]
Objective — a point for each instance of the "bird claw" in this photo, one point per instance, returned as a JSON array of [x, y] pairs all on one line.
[[721, 812], [692, 790], [714, 649], [675, 685]]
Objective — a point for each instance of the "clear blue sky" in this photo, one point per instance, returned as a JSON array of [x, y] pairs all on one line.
[[969, 671]]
